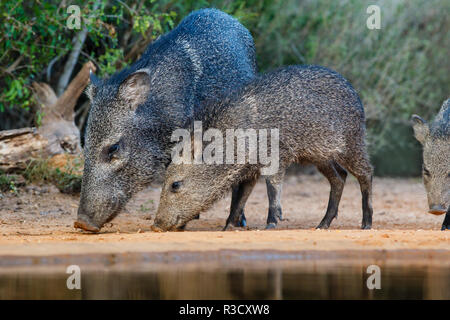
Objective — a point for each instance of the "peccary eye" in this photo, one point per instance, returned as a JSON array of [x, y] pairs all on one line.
[[176, 186], [426, 172], [113, 150]]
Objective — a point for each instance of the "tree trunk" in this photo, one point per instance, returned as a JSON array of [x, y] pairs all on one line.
[[58, 133]]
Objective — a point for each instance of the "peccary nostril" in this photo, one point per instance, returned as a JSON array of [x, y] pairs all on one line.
[[437, 209], [85, 224]]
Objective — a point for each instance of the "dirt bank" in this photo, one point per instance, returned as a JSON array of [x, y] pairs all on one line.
[[39, 220]]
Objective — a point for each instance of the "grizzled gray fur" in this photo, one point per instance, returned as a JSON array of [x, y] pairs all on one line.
[[134, 112], [435, 139], [321, 121]]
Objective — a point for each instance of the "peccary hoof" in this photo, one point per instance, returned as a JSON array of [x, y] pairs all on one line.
[[271, 226], [366, 226], [242, 222], [323, 225]]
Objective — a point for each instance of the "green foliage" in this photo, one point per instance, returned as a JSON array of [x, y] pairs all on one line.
[[34, 36], [67, 180], [7, 183], [109, 59]]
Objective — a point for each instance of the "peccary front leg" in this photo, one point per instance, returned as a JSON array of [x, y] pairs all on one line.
[[239, 197], [274, 187], [336, 175], [446, 224]]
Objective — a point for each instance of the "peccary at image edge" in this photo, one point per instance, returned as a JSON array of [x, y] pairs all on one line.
[[320, 120], [133, 113], [435, 140]]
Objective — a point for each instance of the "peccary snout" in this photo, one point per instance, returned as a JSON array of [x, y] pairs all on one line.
[[94, 213], [182, 199], [437, 209], [160, 225], [101, 199], [88, 218], [85, 223]]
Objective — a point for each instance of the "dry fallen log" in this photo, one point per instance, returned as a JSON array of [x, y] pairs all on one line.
[[19, 146], [57, 134]]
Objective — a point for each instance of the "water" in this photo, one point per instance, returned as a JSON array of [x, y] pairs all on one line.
[[243, 277]]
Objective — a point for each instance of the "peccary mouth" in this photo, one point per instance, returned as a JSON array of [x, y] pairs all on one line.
[[85, 225], [156, 228], [437, 212]]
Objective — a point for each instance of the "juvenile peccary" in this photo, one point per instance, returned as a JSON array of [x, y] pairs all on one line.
[[320, 120], [435, 139], [133, 113]]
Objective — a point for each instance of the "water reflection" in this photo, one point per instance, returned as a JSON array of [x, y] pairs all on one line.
[[275, 282]]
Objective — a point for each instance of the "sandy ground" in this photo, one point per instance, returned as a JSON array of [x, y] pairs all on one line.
[[39, 219]]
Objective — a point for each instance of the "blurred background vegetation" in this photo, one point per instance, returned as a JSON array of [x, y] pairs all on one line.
[[401, 69]]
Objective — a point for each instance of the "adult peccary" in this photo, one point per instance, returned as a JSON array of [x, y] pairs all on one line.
[[435, 139], [133, 113], [320, 120]]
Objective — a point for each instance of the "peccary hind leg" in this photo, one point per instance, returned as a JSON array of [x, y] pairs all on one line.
[[336, 175], [239, 197], [360, 167], [274, 188]]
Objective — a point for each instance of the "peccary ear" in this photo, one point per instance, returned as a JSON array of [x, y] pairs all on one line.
[[442, 119], [94, 83], [444, 112], [94, 80], [446, 105], [135, 88], [421, 129]]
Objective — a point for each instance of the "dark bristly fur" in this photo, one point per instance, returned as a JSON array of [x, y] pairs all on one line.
[[435, 139], [321, 121], [134, 112]]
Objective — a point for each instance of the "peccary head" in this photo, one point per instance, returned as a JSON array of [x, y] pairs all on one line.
[[189, 189], [435, 139], [121, 151]]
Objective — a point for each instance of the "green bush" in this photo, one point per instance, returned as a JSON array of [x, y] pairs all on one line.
[[67, 180], [398, 70], [7, 182], [34, 37]]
